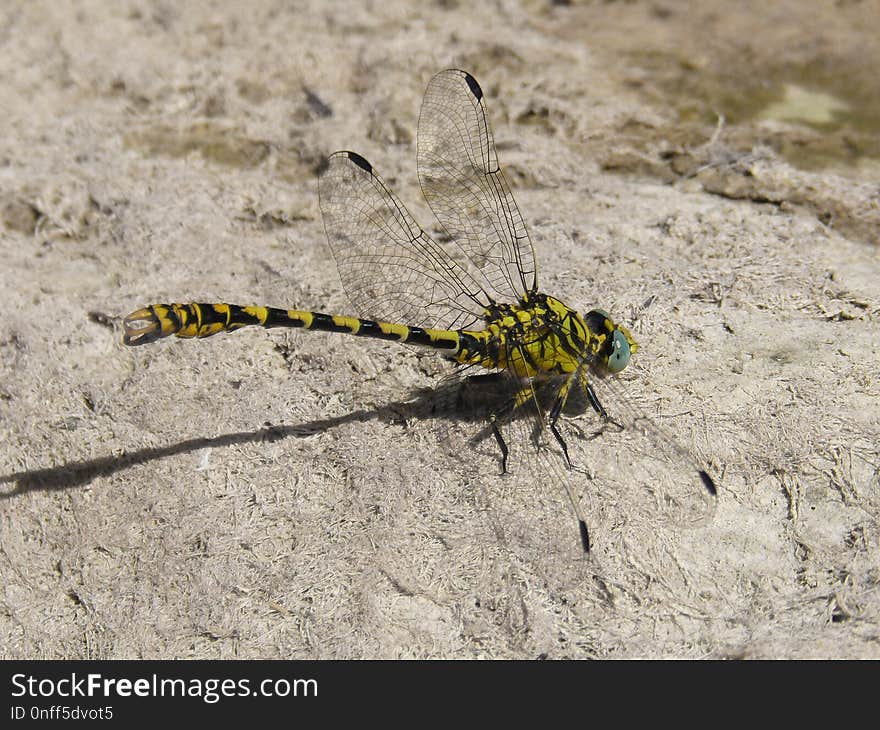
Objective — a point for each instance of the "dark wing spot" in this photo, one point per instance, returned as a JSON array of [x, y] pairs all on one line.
[[585, 536], [473, 85], [360, 161], [708, 483]]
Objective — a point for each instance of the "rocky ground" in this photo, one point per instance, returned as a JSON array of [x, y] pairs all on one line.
[[709, 176]]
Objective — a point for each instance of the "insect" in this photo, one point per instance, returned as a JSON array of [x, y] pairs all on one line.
[[475, 298]]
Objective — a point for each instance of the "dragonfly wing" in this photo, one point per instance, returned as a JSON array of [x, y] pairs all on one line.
[[390, 268], [634, 494], [629, 495], [535, 509], [640, 473], [466, 189]]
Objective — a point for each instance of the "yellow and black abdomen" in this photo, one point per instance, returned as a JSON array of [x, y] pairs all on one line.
[[199, 319]]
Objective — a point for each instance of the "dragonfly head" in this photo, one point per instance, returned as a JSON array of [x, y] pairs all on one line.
[[617, 344]]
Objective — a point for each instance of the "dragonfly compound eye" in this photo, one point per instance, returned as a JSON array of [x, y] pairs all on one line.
[[620, 352]]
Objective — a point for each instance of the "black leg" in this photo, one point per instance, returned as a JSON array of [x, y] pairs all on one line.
[[561, 441], [501, 445], [594, 401], [599, 408]]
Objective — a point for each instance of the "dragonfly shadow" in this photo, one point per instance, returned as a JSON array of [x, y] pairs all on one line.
[[454, 400], [420, 404]]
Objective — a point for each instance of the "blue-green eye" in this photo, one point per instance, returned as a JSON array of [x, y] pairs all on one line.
[[620, 352]]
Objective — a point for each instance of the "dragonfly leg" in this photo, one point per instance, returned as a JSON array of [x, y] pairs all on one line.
[[496, 432], [555, 413], [594, 402], [558, 436], [524, 395], [477, 391]]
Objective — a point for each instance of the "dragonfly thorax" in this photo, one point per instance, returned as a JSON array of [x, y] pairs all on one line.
[[541, 335]]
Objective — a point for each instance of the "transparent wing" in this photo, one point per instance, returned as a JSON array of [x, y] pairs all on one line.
[[527, 512], [390, 268], [631, 493], [639, 474], [464, 185], [538, 505]]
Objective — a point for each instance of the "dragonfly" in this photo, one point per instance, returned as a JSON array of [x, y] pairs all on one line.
[[472, 294]]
